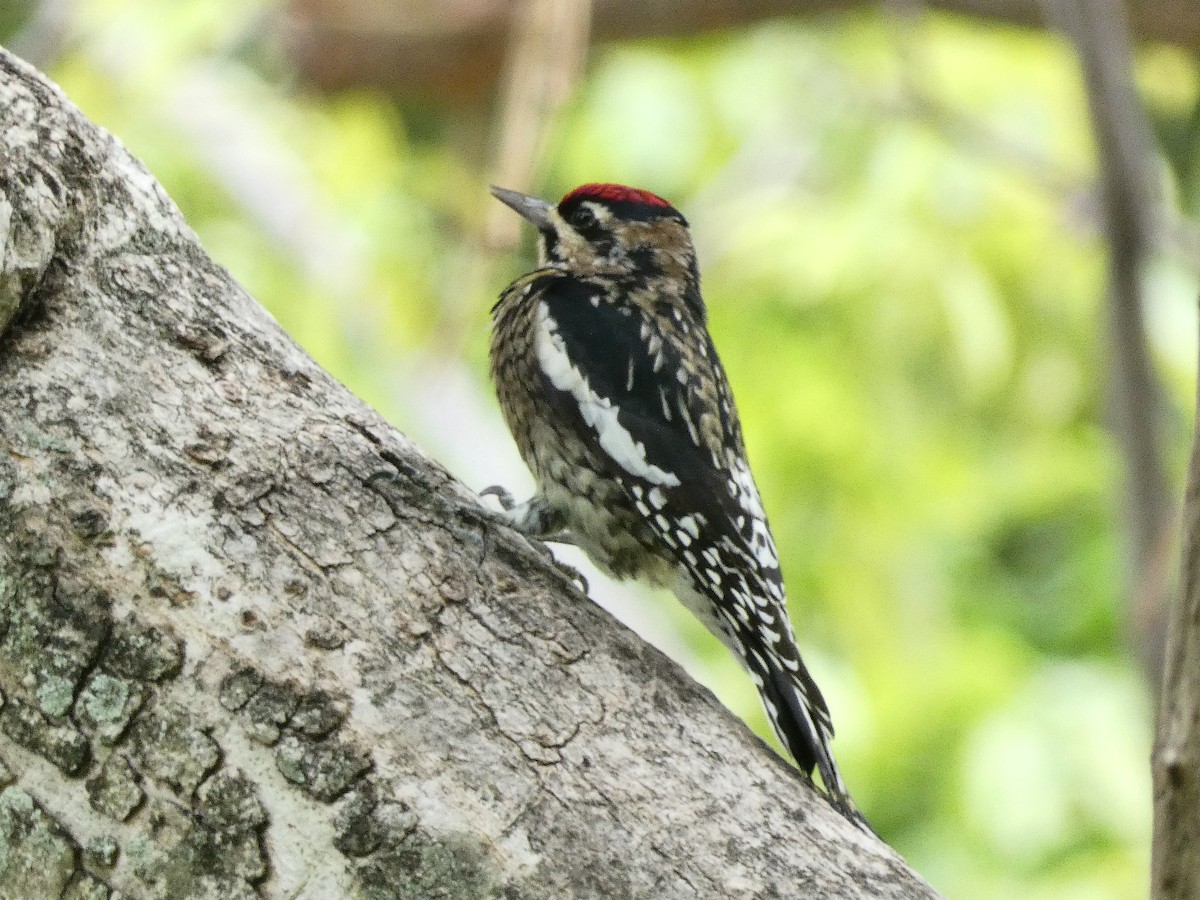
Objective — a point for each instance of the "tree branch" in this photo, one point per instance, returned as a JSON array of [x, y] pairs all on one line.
[[455, 48], [1132, 217], [254, 644], [1175, 864]]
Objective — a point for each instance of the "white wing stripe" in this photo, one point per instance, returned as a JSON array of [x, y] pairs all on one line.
[[598, 412]]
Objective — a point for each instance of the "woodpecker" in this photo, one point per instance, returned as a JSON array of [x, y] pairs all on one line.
[[611, 386]]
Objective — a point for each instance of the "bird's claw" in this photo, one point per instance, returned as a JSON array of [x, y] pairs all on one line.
[[501, 494], [573, 574]]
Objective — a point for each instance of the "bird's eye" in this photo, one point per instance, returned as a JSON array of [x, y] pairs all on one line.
[[582, 218]]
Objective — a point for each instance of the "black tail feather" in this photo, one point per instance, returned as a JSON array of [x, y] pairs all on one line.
[[801, 719]]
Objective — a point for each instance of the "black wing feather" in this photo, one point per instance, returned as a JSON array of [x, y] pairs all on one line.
[[605, 341]]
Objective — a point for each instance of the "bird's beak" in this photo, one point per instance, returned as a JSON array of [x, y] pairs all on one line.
[[536, 211]]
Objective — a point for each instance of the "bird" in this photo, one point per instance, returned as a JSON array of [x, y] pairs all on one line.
[[609, 381]]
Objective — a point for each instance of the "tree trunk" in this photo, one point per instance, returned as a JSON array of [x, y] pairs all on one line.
[[1176, 763], [254, 643]]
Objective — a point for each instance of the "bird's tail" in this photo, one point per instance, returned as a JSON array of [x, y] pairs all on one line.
[[800, 717]]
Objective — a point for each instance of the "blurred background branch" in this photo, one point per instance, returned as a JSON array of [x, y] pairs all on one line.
[[454, 50], [1175, 867], [547, 50], [1132, 214]]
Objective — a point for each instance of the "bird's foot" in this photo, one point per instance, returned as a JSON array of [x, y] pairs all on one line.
[[536, 520], [502, 495]]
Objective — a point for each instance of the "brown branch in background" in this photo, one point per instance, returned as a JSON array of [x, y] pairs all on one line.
[[546, 57], [453, 49], [547, 49]]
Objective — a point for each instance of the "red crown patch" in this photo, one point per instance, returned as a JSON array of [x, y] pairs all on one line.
[[615, 193]]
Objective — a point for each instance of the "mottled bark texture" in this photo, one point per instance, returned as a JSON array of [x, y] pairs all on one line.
[[254, 643]]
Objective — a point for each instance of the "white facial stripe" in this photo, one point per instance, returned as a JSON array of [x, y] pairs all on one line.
[[598, 412]]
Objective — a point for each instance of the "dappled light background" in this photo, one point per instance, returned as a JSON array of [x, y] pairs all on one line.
[[901, 251]]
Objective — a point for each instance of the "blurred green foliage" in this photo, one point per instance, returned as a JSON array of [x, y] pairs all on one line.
[[905, 280]]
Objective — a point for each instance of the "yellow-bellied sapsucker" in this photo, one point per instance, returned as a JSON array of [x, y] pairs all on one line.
[[611, 386]]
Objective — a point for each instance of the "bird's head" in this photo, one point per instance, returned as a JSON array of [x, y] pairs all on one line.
[[609, 230]]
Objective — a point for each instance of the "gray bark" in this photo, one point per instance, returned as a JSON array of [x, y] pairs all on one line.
[[254, 643], [1175, 862]]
